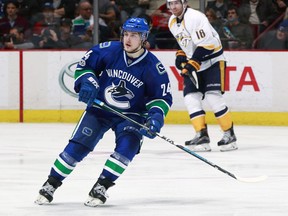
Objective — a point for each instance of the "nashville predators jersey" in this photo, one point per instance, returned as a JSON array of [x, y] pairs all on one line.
[[193, 31]]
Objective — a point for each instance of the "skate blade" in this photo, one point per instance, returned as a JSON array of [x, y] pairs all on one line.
[[229, 147], [200, 148], [41, 200], [93, 202]]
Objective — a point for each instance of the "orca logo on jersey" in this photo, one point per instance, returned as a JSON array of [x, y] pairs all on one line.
[[119, 92]]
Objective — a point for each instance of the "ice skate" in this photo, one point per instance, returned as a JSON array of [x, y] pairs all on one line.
[[228, 141], [98, 194], [47, 191], [200, 143]]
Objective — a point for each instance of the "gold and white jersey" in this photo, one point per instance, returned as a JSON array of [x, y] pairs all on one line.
[[196, 31]]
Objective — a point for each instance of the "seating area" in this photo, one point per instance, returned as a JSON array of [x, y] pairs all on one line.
[[46, 25]]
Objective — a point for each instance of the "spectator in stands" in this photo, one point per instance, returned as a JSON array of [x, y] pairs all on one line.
[[116, 23], [107, 13], [160, 18], [16, 40], [62, 8], [28, 8], [12, 19], [48, 39], [281, 5], [82, 25], [132, 8], [44, 19], [2, 12], [219, 6], [281, 8], [61, 38], [259, 13], [275, 39], [234, 34], [214, 21], [66, 38], [163, 37], [235, 2]]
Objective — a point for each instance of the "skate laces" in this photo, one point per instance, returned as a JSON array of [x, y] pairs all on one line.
[[100, 189], [49, 189], [196, 137], [227, 136]]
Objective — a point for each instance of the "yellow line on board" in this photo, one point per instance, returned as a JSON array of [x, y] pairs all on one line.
[[173, 117]]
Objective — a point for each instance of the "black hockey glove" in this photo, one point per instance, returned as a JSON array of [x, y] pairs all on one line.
[[191, 65], [190, 69], [89, 90], [181, 59]]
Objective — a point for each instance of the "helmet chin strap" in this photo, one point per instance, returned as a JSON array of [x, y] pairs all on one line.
[[184, 9]]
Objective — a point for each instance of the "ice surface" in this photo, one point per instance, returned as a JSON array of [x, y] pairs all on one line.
[[162, 179]]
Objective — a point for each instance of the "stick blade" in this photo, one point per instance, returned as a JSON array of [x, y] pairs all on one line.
[[194, 79], [252, 179]]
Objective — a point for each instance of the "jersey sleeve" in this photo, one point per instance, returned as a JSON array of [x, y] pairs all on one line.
[[158, 90], [85, 69], [205, 38], [91, 64], [202, 34]]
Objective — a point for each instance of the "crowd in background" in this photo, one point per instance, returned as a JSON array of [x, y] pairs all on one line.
[[68, 24], [250, 24]]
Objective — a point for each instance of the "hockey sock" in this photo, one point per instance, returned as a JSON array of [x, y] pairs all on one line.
[[224, 119], [63, 166], [221, 111], [67, 160], [114, 166], [198, 123]]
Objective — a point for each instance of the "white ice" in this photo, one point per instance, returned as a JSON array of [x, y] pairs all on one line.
[[162, 179]]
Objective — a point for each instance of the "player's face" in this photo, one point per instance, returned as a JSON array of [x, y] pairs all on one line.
[[176, 7], [131, 41]]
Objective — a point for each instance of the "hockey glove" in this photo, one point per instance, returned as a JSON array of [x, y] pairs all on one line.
[[191, 65], [190, 69], [154, 124], [89, 90], [181, 59]]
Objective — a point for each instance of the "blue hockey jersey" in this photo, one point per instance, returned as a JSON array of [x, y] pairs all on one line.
[[129, 85]]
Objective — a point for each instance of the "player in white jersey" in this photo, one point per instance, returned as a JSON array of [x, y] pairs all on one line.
[[202, 64]]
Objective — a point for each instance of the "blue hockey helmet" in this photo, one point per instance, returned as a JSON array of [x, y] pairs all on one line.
[[137, 25]]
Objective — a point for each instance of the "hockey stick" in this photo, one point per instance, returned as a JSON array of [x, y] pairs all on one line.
[[101, 104], [192, 76]]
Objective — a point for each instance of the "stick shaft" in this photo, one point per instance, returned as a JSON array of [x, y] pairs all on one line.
[[194, 79], [103, 105]]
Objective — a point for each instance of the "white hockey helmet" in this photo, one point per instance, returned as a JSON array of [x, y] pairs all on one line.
[[182, 1]]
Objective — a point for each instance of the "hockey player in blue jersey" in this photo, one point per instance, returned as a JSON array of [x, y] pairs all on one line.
[[129, 78]]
